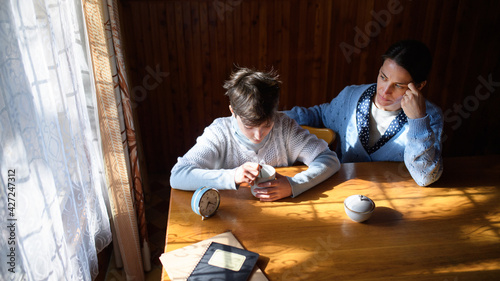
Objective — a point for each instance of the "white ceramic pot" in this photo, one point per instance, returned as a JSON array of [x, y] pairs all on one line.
[[359, 207]]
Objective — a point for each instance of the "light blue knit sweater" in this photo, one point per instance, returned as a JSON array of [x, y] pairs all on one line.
[[222, 148], [418, 143]]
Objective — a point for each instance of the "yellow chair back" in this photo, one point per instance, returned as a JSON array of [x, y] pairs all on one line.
[[322, 133]]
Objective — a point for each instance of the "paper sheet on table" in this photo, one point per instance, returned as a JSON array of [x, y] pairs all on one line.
[[180, 263]]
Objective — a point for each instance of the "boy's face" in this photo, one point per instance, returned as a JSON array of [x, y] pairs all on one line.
[[255, 134]]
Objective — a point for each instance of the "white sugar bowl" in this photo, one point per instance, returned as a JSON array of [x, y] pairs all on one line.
[[359, 207]]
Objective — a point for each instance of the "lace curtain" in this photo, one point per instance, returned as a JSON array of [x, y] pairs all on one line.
[[52, 208]]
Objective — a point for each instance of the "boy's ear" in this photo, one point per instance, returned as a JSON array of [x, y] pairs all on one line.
[[231, 109]]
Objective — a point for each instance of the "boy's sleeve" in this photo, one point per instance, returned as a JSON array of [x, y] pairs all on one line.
[[324, 166], [201, 166], [321, 161]]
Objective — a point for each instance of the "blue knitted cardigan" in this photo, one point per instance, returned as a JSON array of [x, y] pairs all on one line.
[[417, 142]]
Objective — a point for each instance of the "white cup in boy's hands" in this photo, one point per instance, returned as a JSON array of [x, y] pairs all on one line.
[[267, 173]]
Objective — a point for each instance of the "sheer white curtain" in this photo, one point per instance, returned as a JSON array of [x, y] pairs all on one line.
[[53, 214]]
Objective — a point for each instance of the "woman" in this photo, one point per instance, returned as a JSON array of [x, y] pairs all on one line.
[[387, 121]]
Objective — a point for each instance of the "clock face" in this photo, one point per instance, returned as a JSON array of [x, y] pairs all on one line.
[[209, 203]]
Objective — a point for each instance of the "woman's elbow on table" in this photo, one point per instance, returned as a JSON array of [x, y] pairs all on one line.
[[425, 180]]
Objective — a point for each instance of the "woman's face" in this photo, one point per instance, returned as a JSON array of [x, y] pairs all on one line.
[[392, 83]]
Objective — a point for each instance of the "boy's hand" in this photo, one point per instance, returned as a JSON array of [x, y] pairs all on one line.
[[247, 172], [274, 190]]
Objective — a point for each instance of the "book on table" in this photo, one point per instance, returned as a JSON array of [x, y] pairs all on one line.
[[180, 263], [224, 262]]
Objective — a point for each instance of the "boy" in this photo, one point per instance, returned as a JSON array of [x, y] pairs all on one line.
[[231, 149]]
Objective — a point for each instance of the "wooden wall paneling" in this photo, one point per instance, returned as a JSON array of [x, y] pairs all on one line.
[[178, 138], [199, 45], [237, 42], [432, 90], [390, 17], [244, 36], [149, 94], [254, 34], [156, 98], [153, 84], [229, 23], [274, 39], [198, 97], [208, 81], [282, 49], [369, 59], [363, 20], [324, 58], [455, 61], [313, 47], [443, 60], [441, 56], [341, 33], [213, 56], [290, 73], [262, 39], [429, 24], [224, 66], [408, 20], [138, 91], [315, 33], [272, 33], [426, 29], [185, 45], [333, 50], [182, 97], [352, 66], [301, 74], [486, 50], [166, 115], [458, 45], [479, 115]]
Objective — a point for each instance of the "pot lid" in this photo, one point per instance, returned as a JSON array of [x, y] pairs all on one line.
[[359, 203]]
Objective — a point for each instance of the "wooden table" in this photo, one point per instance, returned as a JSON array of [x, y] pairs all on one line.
[[450, 231]]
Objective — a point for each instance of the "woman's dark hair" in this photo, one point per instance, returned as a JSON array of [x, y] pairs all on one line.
[[253, 95], [412, 55]]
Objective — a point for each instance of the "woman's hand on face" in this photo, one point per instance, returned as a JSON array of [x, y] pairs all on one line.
[[413, 102], [247, 172], [274, 190]]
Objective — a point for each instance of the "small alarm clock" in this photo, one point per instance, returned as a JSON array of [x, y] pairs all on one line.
[[205, 201]]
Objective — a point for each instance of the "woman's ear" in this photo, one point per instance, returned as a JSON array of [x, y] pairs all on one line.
[[422, 85]]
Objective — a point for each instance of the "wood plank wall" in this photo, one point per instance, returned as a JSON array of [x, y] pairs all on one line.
[[180, 52]]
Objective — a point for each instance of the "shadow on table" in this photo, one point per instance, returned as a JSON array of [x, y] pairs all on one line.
[[384, 216]]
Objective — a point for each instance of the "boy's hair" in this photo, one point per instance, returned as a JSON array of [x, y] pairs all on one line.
[[253, 95]]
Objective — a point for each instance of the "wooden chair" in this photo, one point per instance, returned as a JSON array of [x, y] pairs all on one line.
[[325, 134]]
